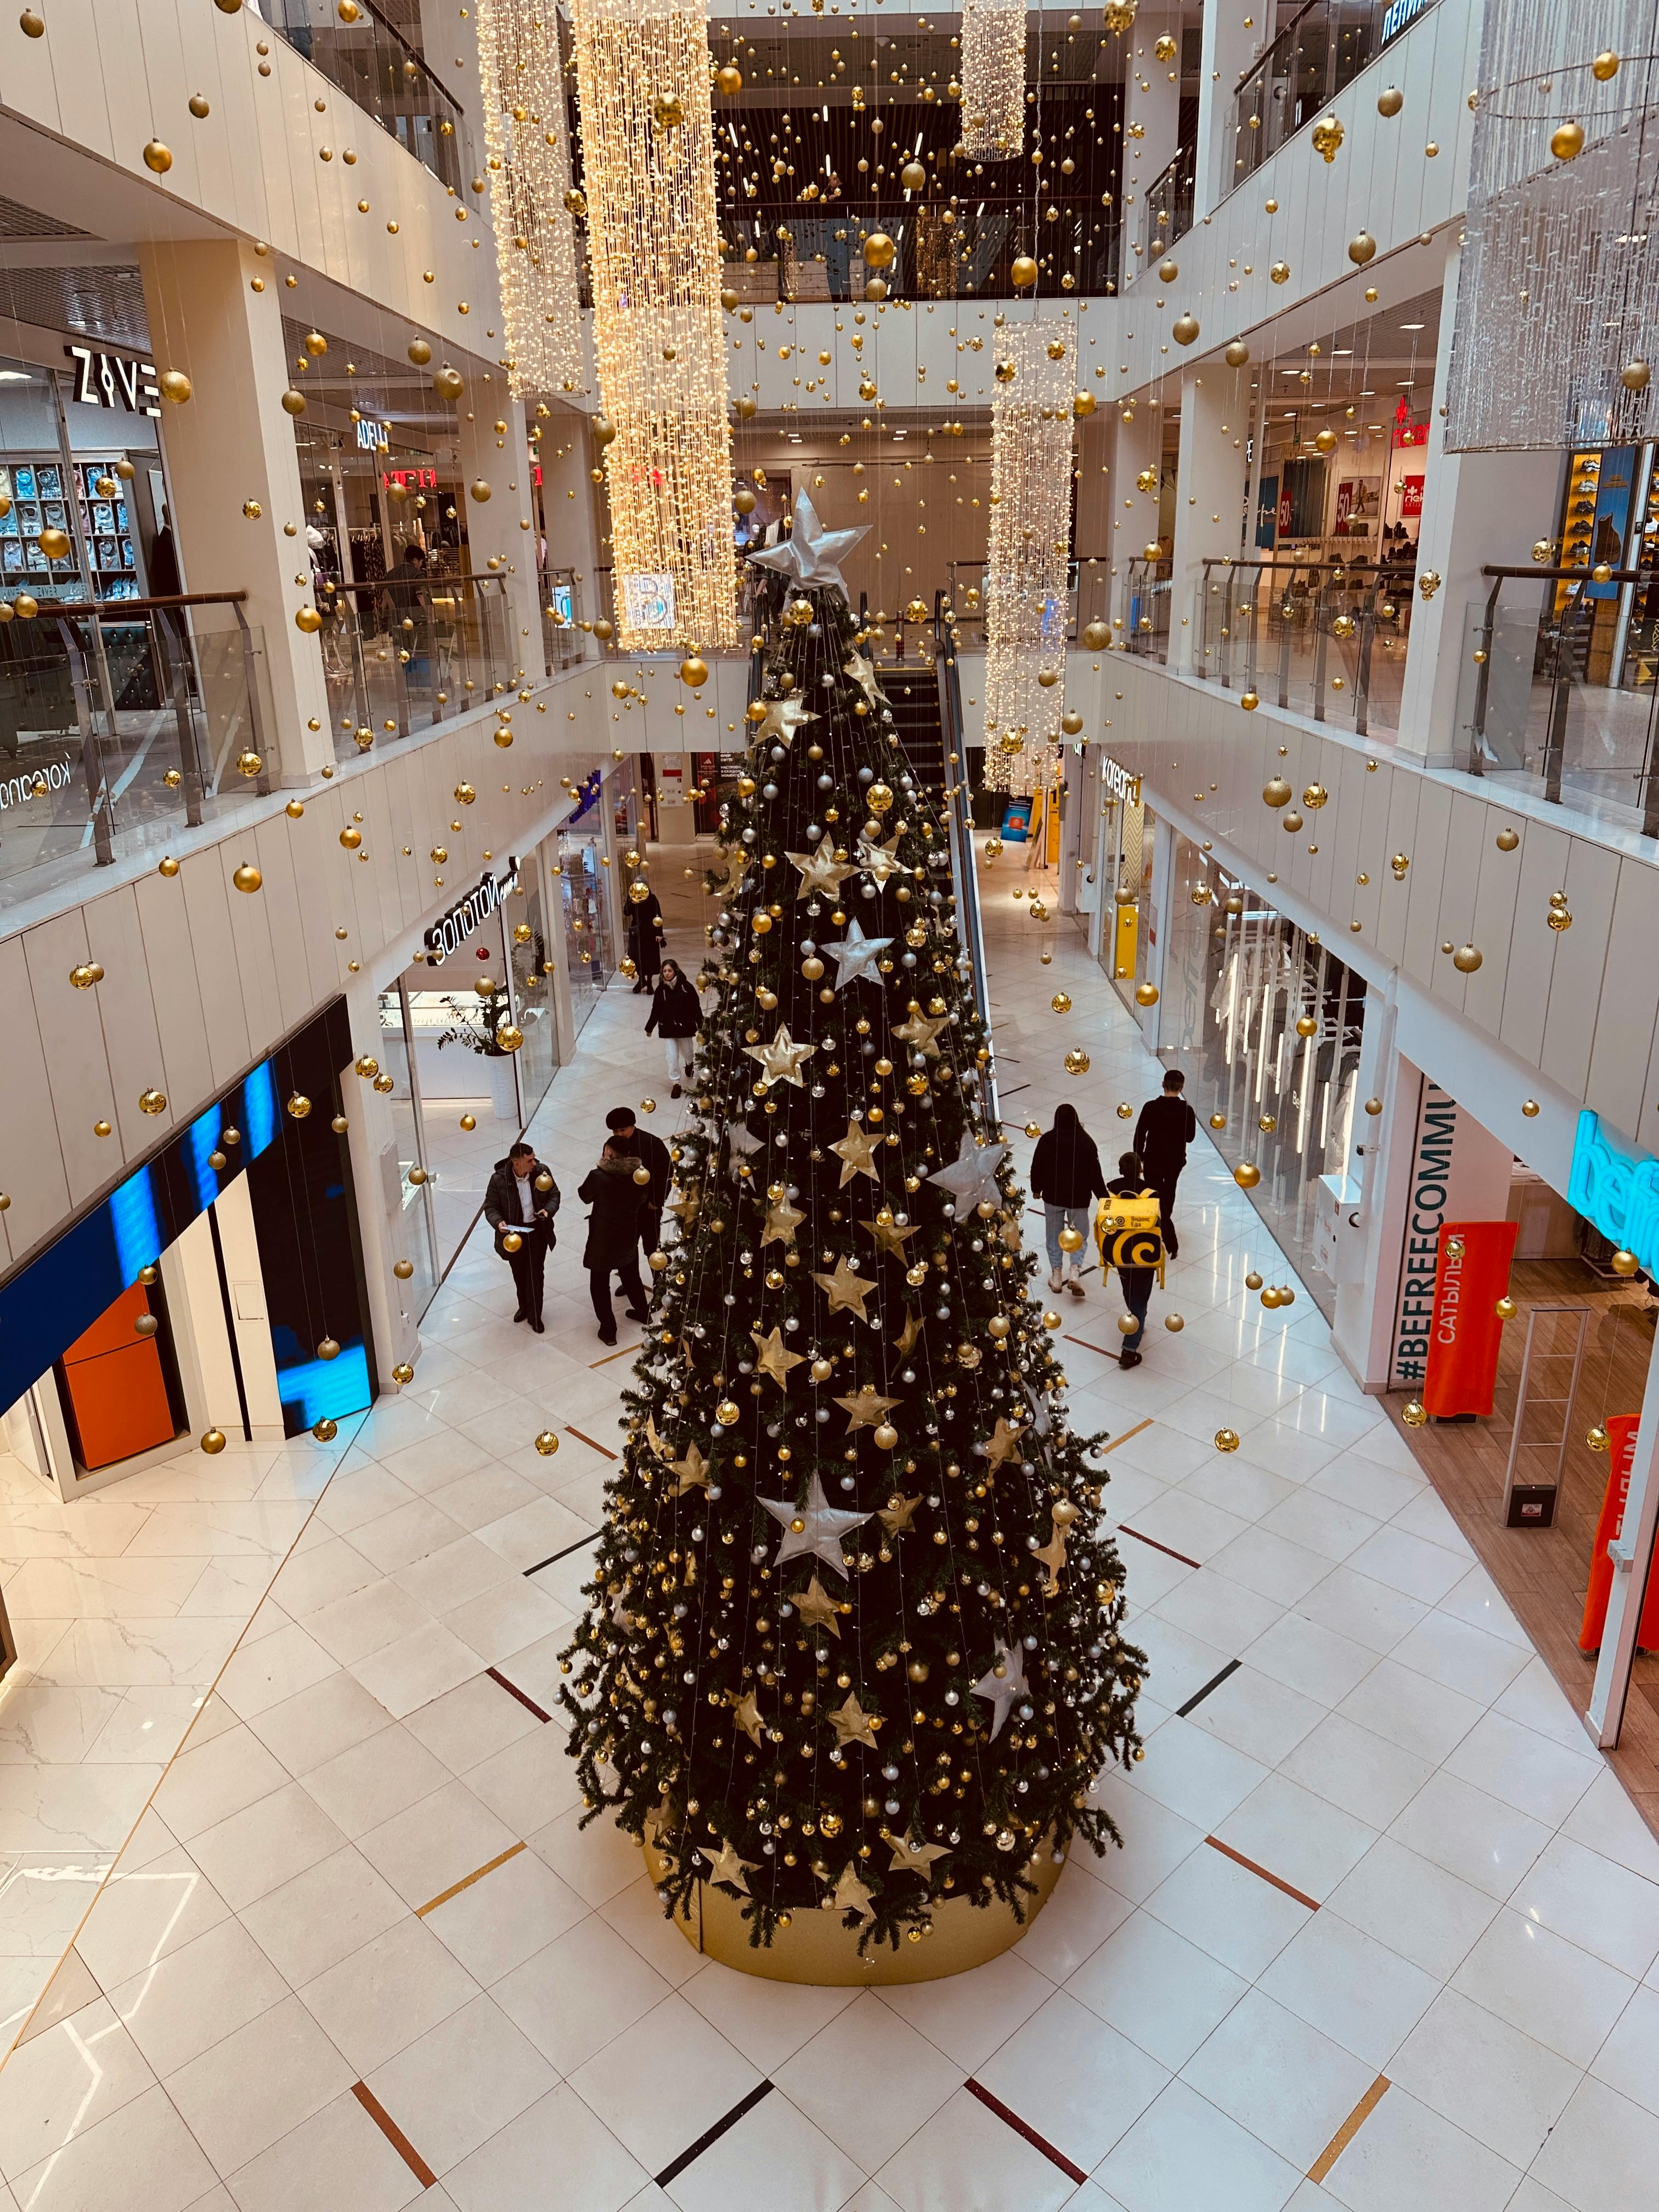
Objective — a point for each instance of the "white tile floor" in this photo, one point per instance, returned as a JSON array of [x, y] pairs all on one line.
[[1384, 1933]]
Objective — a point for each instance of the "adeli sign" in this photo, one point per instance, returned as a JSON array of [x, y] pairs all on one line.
[[451, 930]]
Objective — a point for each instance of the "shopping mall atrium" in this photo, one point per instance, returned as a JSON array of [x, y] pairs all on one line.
[[829, 1106]]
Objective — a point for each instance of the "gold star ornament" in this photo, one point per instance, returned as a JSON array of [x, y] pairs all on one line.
[[822, 870], [781, 1061], [856, 1151], [845, 1290], [817, 1607], [771, 1357], [852, 1725], [866, 1408]]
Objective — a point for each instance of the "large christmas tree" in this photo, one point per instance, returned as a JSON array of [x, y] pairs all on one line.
[[854, 1631]]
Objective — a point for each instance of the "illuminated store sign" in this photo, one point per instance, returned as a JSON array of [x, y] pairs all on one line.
[[451, 932], [104, 380]]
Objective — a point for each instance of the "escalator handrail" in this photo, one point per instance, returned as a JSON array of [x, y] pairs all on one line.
[[970, 922]]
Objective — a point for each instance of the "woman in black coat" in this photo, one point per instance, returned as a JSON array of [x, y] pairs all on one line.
[[1066, 1175], [616, 1191], [676, 1011], [645, 936]]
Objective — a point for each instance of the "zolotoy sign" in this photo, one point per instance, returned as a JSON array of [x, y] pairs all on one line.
[[451, 930]]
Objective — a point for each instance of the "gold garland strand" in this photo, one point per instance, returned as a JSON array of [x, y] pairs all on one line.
[[1027, 599]]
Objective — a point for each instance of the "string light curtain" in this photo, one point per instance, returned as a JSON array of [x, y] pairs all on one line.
[[1557, 295], [992, 78], [1027, 569], [523, 101], [642, 78]]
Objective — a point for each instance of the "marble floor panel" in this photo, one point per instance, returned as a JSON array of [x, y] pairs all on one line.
[[1383, 1930]]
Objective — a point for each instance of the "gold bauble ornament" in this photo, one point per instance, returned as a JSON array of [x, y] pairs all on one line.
[[213, 1442], [1390, 101], [1061, 1002], [913, 177], [1325, 439], [329, 1348], [1077, 1063], [1125, 1111], [1226, 1440], [351, 837], [1567, 141], [879, 251], [1327, 136], [1248, 702], [247, 878], [886, 1436], [1280, 272], [667, 111], [1276, 792], [293, 402], [547, 1443], [744, 499], [419, 352], [1023, 272], [325, 1430], [158, 157], [729, 81], [641, 1176], [307, 620], [1625, 1263], [1071, 1240], [1414, 1414], [1097, 636], [1083, 405], [1145, 994], [1362, 248], [1217, 1120], [53, 543], [1428, 582], [1597, 1438], [297, 1105], [1235, 354], [1505, 1308], [1174, 1323], [403, 1372], [512, 1241], [449, 384], [1636, 376], [1467, 959], [469, 1121], [657, 1262], [34, 26], [152, 1101], [1246, 1175], [1127, 1324], [403, 1269], [728, 1412], [509, 1037], [1605, 67], [1184, 329], [479, 489]]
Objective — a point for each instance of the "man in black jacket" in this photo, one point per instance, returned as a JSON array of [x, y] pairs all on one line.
[[1167, 1126], [652, 1153], [613, 1234], [519, 1204]]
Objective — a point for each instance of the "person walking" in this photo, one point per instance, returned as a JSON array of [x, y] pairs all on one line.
[[645, 936], [1067, 1175], [519, 1203], [1136, 1282], [653, 1155], [618, 1203], [676, 1011], [1167, 1126]]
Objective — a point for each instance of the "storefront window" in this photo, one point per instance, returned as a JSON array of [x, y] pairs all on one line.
[[397, 1061], [532, 989], [1265, 1025], [454, 1078], [589, 954], [1127, 867]]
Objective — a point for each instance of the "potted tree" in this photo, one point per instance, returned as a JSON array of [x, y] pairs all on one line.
[[486, 1027]]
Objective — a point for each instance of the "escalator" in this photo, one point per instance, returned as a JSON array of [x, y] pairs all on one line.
[[912, 691]]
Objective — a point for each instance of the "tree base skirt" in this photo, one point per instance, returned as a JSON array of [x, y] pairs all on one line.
[[816, 1950]]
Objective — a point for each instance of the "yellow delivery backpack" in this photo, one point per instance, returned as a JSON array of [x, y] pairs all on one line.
[[1129, 1232]]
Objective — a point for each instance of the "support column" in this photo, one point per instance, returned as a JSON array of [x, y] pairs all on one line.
[[231, 447], [1229, 48], [1477, 509], [1135, 510], [502, 530], [1632, 1563], [1210, 488], [569, 502], [1151, 100]]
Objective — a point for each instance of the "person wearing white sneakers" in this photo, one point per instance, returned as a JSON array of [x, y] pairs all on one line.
[[1066, 1175]]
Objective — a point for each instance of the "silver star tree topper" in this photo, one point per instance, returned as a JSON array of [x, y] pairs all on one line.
[[812, 554]]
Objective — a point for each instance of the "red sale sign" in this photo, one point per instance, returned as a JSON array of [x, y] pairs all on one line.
[[1621, 1446], [1471, 1274]]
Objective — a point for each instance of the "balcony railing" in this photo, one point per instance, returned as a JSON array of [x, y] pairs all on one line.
[[1320, 52], [1089, 590], [1561, 701], [401, 654], [121, 723], [1322, 638], [1148, 588], [563, 641], [944, 251], [1166, 211], [375, 66]]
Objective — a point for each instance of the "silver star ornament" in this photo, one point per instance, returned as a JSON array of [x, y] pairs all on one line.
[[1003, 1684], [812, 555], [816, 1527], [855, 956], [972, 1175]]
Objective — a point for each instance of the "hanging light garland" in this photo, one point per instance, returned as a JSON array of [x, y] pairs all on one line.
[[530, 162], [1027, 597], [643, 76], [992, 78]]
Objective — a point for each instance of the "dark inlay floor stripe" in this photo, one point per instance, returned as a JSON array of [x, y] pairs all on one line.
[[1020, 2128], [1250, 1867], [394, 2134], [514, 1691], [555, 1556], [592, 1443], [1124, 1529], [712, 2134], [1215, 1683]]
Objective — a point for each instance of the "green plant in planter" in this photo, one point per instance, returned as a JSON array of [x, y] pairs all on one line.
[[475, 1026]]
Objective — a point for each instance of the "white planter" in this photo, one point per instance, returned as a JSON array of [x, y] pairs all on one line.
[[503, 1087]]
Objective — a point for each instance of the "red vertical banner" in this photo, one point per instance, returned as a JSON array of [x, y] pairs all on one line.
[[1621, 1447], [1464, 1330]]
